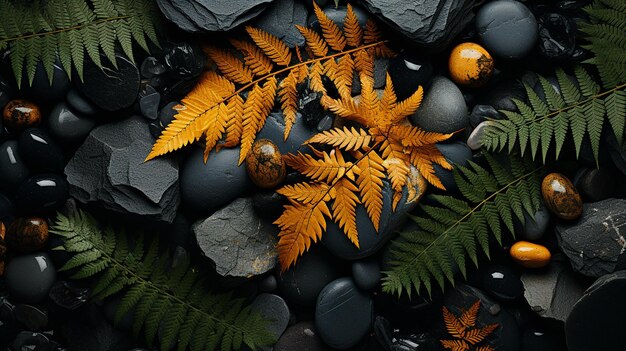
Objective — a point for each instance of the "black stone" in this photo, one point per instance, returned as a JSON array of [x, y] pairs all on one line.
[[482, 113], [597, 321], [14, 170], [78, 103], [597, 184], [32, 342], [457, 153], [280, 19], [111, 88], [268, 284], [274, 130], [184, 60], [408, 72], [542, 340], [149, 105], [67, 126], [165, 117], [39, 151], [268, 204], [326, 123], [68, 295], [31, 317], [40, 90], [536, 226], [273, 308], [29, 277], [7, 210], [501, 95], [151, 67], [502, 283], [301, 336], [302, 283], [443, 109], [557, 36], [366, 273], [42, 193], [343, 314]]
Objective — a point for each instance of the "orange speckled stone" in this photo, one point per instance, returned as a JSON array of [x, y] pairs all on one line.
[[20, 114], [530, 255], [470, 65], [3, 247], [561, 197], [2, 231], [265, 164], [27, 235]]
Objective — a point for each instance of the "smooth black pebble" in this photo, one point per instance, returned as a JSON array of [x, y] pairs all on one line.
[[39, 152], [13, 170], [42, 193]]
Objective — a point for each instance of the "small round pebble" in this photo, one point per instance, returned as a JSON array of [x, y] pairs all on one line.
[[366, 274], [13, 170], [20, 114], [67, 126], [443, 109], [39, 152], [29, 277], [507, 28], [561, 197], [42, 193], [27, 235], [77, 102], [530, 255], [473, 141], [536, 226], [408, 73], [265, 164], [470, 65], [502, 283], [274, 309], [268, 284], [302, 283]]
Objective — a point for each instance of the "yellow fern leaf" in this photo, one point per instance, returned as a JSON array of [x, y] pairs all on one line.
[[407, 107], [370, 175], [485, 348], [333, 35], [333, 166], [299, 227], [389, 99], [344, 76], [316, 71], [364, 63], [453, 325], [372, 32], [212, 83], [343, 108], [314, 41], [455, 345], [217, 127], [253, 57], [345, 139], [234, 125], [306, 193], [468, 318], [344, 208], [477, 335], [289, 100], [411, 136], [369, 105], [273, 47], [352, 28], [421, 161], [255, 111], [230, 66]]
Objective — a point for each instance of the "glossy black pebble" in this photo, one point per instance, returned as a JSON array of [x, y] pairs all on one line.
[[79, 103], [29, 277], [13, 171], [43, 192], [39, 151], [502, 283]]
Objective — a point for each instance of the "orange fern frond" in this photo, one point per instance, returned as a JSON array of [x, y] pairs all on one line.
[[253, 57], [333, 166], [333, 35], [234, 125], [314, 41], [364, 63], [230, 66], [305, 193], [407, 107], [344, 208], [344, 76], [289, 100], [468, 318], [485, 348], [348, 139], [477, 335], [389, 99], [373, 34], [352, 29], [370, 175], [315, 75], [273, 47], [453, 325], [455, 345], [343, 108], [398, 172], [255, 110], [411, 136], [218, 120]]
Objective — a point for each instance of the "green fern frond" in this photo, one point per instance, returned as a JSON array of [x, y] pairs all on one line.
[[458, 228], [580, 110], [41, 31], [158, 295]]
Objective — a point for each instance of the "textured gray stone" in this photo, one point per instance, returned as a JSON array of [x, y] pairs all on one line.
[[109, 169], [443, 110], [431, 23], [273, 308], [274, 130], [237, 240], [281, 18], [595, 244]]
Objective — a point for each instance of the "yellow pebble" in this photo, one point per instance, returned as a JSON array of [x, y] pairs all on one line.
[[530, 255], [470, 65]]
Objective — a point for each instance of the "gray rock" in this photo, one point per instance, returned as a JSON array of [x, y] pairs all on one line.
[[507, 28], [536, 226], [443, 109], [109, 170], [240, 243], [343, 314], [430, 23], [281, 18], [302, 283], [302, 337], [208, 186], [473, 141], [366, 274], [457, 153], [30, 277], [380, 76], [595, 243], [274, 130], [211, 15], [272, 307], [597, 321], [338, 14], [268, 284], [552, 293], [597, 184]]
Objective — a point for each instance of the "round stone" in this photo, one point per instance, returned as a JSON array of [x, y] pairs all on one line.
[[530, 255], [443, 109], [20, 114], [561, 197], [473, 141], [211, 185], [557, 36], [67, 126], [302, 283], [366, 274], [502, 283], [42, 193], [343, 314], [507, 28], [542, 340], [268, 284], [265, 164], [79, 104], [408, 73], [27, 235], [536, 226], [456, 153], [470, 65], [6, 209], [14, 171], [272, 308], [41, 90], [301, 336], [29, 277], [40, 152]]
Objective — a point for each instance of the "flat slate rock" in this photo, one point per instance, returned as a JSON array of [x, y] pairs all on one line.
[[109, 170], [237, 240], [595, 243], [281, 18]]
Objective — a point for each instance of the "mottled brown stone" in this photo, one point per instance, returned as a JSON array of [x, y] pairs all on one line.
[[21, 114], [265, 164], [561, 197], [27, 235]]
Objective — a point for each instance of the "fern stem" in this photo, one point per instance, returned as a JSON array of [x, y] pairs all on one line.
[[40, 34]]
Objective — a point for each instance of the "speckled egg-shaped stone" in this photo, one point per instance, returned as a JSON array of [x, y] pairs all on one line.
[[561, 197], [470, 65], [265, 164], [27, 235], [20, 114], [530, 255]]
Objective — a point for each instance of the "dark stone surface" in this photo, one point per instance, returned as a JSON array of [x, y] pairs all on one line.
[[109, 170], [594, 244], [151, 67], [443, 109], [536, 226], [39, 151], [31, 317], [29, 277], [502, 283], [557, 36], [302, 337], [7, 210], [408, 72], [206, 187], [381, 65], [343, 314], [457, 153], [338, 14], [366, 274], [427, 23], [77, 102], [27, 340], [268, 284], [237, 240], [184, 60], [111, 88], [481, 113], [14, 170], [177, 17], [273, 308], [42, 193], [67, 126], [552, 293], [40, 90], [268, 204], [68, 295], [302, 283], [598, 184], [274, 130], [149, 105], [597, 321], [165, 117], [507, 28], [280, 19], [542, 340]]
